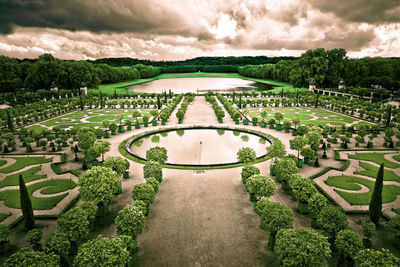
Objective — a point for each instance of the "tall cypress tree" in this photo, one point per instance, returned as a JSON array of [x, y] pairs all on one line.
[[26, 205], [389, 115], [375, 206], [9, 121], [158, 102]]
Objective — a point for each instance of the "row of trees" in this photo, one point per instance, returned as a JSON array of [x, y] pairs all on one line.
[[290, 245], [48, 72], [198, 61], [325, 69]]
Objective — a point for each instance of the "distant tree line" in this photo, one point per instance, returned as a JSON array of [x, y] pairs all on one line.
[[47, 72], [206, 61], [325, 69]]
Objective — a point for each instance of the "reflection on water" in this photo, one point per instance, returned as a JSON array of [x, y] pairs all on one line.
[[201, 146], [199, 85]]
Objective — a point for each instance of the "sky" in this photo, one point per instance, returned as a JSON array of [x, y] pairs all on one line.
[[181, 29]]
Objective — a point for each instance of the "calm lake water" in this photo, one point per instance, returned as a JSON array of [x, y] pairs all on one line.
[[199, 85], [201, 146]]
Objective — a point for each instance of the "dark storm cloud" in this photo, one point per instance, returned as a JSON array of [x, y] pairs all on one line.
[[351, 40], [370, 11], [96, 16]]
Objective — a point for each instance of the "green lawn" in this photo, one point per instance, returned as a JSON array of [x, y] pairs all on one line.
[[378, 158], [397, 157], [372, 171], [22, 162], [109, 88], [12, 198], [36, 128], [94, 118], [389, 192], [2, 162], [28, 175], [307, 115]]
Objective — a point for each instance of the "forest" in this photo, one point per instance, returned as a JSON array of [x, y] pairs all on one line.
[[324, 68]]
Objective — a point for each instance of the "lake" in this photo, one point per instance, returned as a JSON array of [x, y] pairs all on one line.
[[199, 85], [200, 146]]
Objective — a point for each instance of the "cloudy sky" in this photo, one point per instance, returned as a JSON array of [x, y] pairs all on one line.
[[180, 29]]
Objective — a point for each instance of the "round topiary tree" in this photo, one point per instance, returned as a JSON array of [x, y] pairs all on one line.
[[29, 257], [59, 244], [99, 184], [246, 155], [34, 239], [332, 220], [315, 204], [303, 190], [130, 221], [117, 164], [284, 169], [90, 208], [348, 243], [102, 251], [144, 192], [302, 247], [152, 169], [370, 257], [260, 205], [248, 171], [369, 230], [153, 182], [142, 206], [158, 154], [260, 186], [74, 224], [275, 216]]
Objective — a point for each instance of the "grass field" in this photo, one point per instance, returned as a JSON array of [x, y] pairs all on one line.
[[378, 158], [307, 115], [94, 118], [12, 198], [28, 175], [22, 162], [109, 88], [372, 171], [389, 192]]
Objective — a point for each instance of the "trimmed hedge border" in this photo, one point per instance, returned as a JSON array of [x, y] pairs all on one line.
[[123, 147]]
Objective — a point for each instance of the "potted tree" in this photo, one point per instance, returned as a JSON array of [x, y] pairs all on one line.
[[295, 121], [254, 120], [128, 123], [271, 123], [136, 114], [113, 127], [278, 116], [260, 186], [286, 125], [106, 125], [146, 120], [120, 126], [303, 189]]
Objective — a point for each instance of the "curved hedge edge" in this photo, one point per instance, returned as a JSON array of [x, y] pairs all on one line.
[[122, 150]]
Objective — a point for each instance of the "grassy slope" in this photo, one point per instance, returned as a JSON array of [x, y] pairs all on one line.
[[109, 88]]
